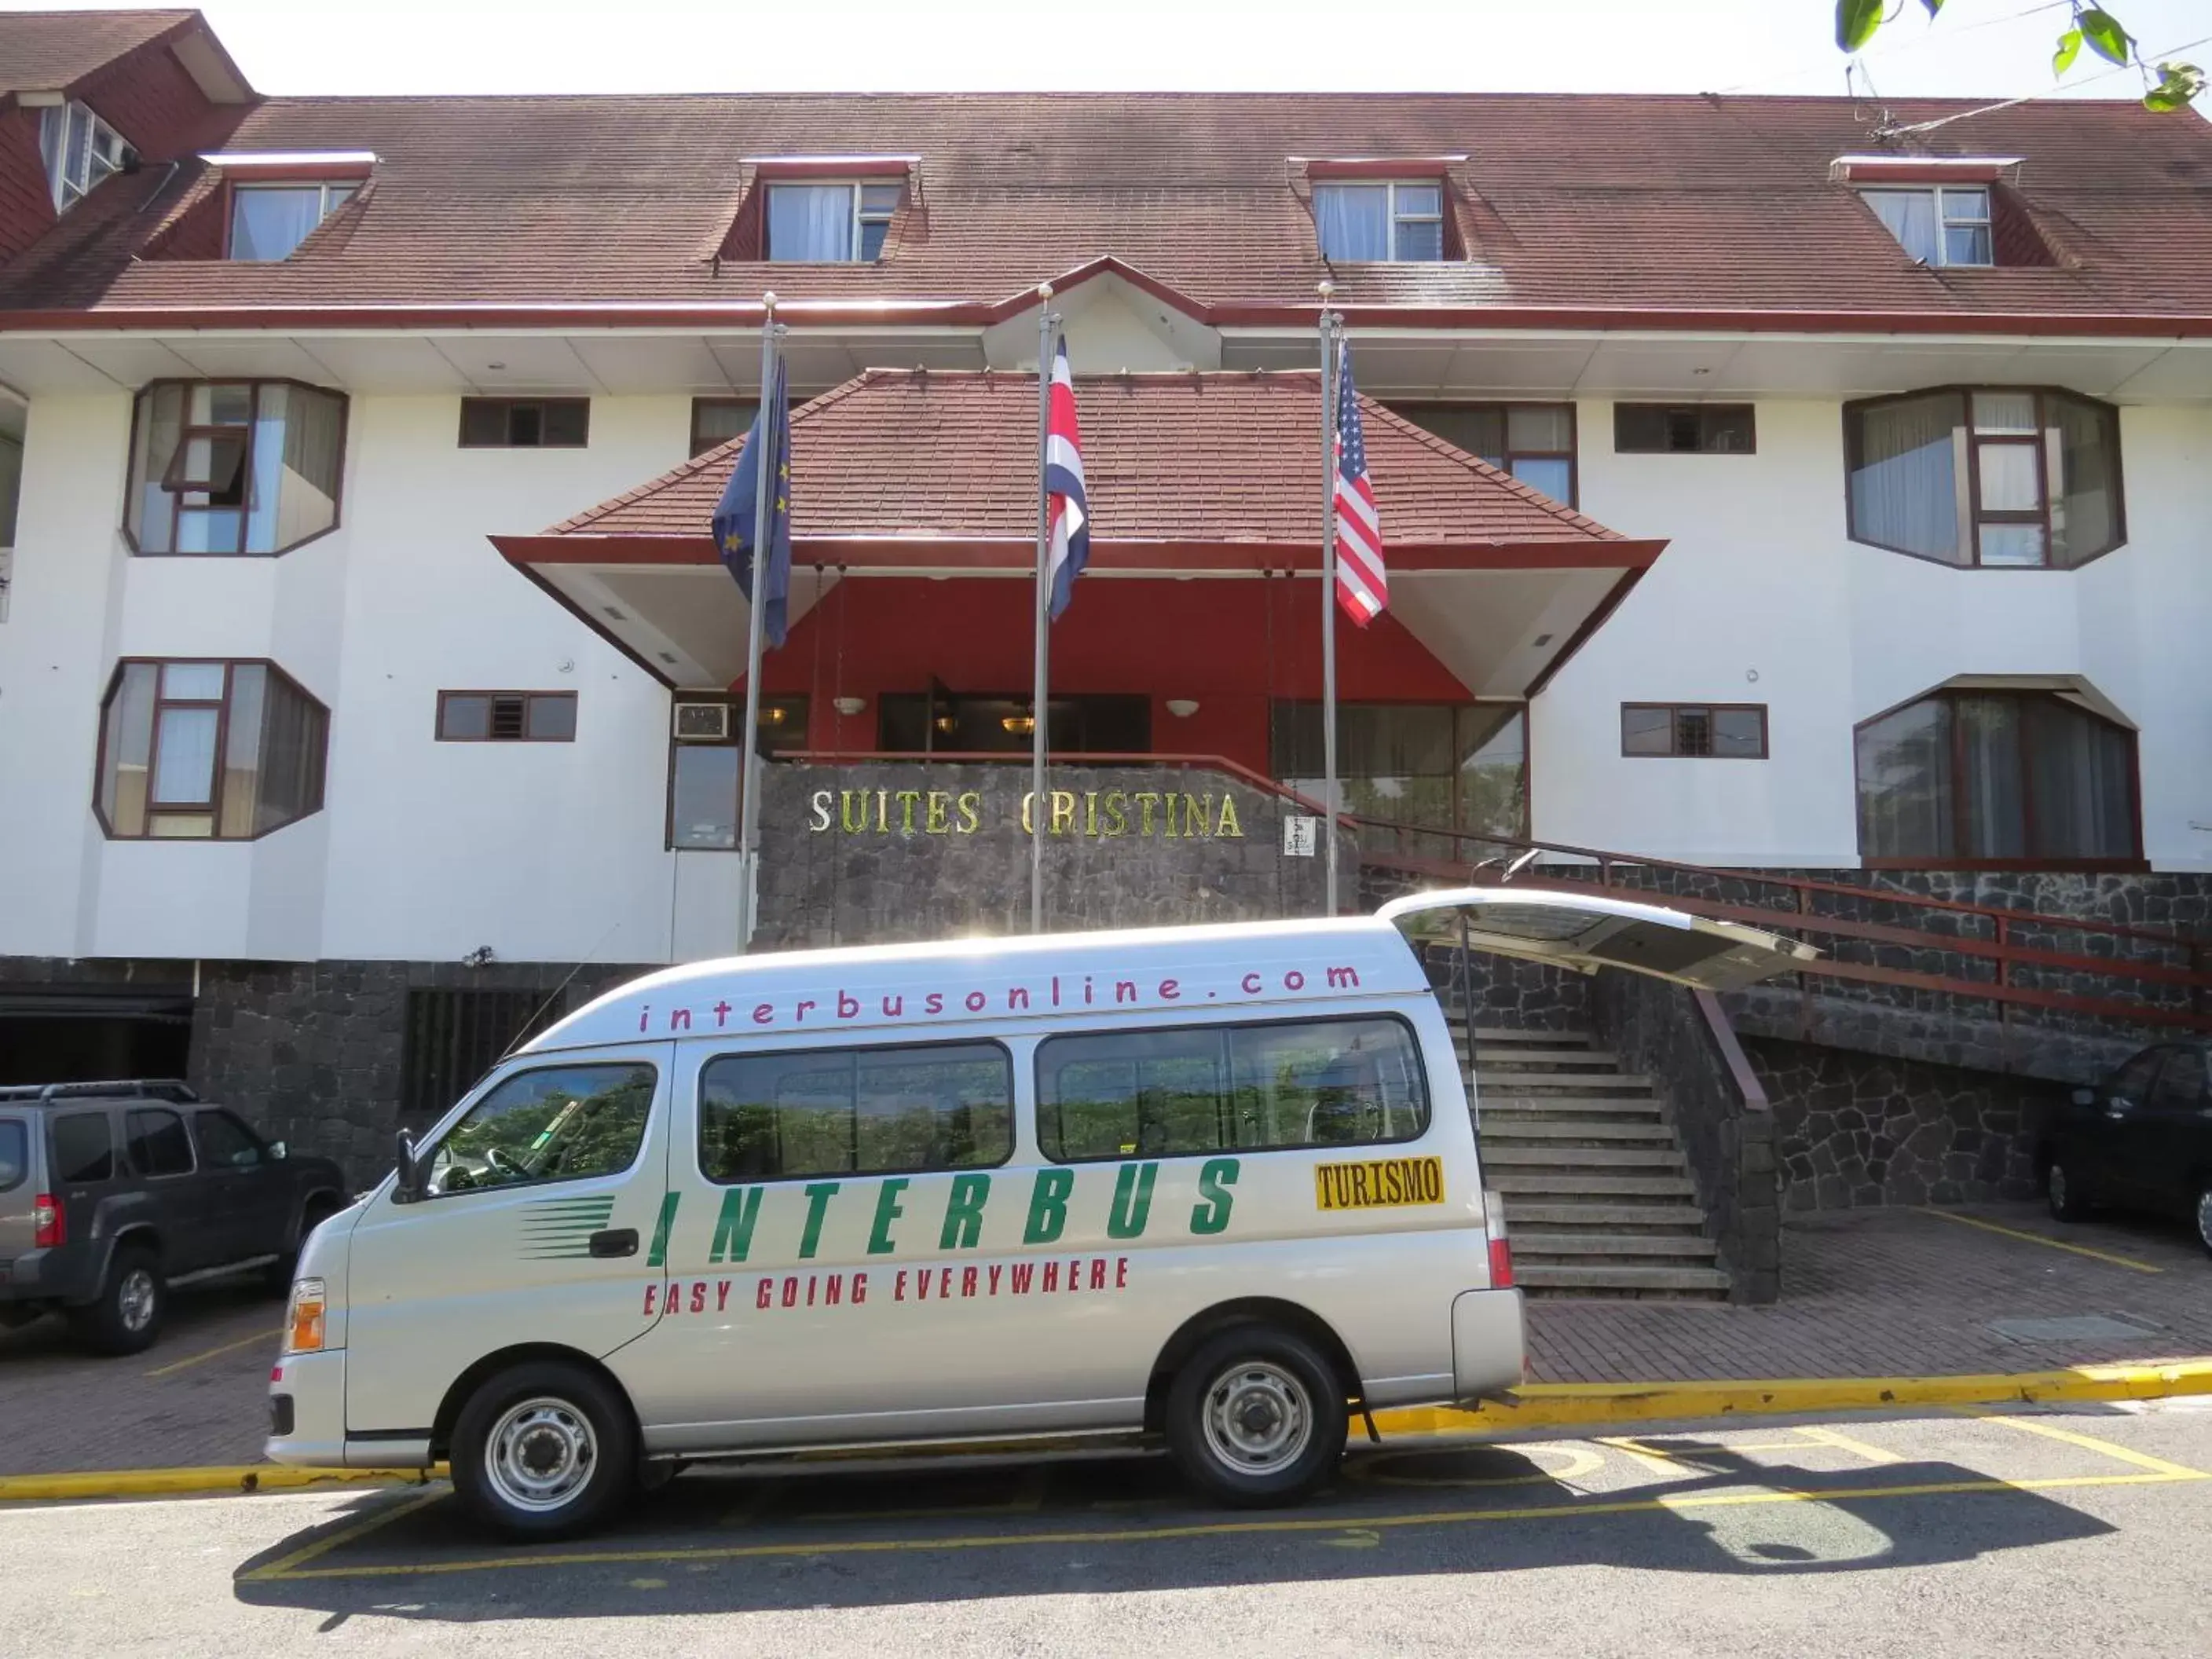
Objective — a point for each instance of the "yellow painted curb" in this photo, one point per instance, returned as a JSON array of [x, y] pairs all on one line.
[[1564, 1405], [1534, 1405], [220, 1479]]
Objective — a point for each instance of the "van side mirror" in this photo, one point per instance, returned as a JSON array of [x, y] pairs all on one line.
[[2085, 1097], [408, 1187]]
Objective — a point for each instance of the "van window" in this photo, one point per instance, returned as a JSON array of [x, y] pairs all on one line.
[[159, 1146], [14, 1153], [855, 1111], [84, 1149], [1217, 1088], [562, 1123]]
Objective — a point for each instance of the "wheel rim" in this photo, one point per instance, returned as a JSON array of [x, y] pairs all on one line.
[[541, 1454], [2204, 1217], [1258, 1418], [2058, 1186], [134, 1300]]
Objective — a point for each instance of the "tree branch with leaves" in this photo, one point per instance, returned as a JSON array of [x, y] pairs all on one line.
[[2166, 85]]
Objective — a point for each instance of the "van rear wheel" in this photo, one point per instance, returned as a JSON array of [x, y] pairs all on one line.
[[545, 1450], [1257, 1417]]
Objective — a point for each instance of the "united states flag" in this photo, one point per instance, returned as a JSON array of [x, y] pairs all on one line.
[[1067, 510], [1363, 587]]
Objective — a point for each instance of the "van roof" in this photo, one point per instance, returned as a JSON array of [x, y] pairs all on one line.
[[904, 987]]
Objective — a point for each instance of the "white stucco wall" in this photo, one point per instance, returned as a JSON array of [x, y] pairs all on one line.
[[1760, 577], [428, 851]]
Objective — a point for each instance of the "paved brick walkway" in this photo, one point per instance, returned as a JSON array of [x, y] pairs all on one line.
[[1868, 1293], [1898, 1292]]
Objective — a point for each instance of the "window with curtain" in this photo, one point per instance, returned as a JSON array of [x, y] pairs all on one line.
[[229, 467], [1432, 766], [829, 224], [1534, 442], [1991, 477], [1970, 777], [79, 149], [1386, 221], [269, 222], [1937, 224], [208, 750]]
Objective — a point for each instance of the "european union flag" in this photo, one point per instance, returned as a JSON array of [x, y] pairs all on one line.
[[735, 517]]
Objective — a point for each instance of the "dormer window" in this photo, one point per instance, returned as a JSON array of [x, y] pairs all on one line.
[[269, 222], [1937, 224], [844, 224], [1381, 221], [80, 151]]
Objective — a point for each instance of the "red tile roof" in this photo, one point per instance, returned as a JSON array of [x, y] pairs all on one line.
[[1212, 460], [1671, 210], [52, 50]]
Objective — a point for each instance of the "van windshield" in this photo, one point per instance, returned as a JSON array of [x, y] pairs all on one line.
[[14, 1152], [562, 1123]]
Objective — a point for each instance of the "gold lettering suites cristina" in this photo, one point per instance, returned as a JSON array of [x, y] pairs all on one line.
[[1099, 814]]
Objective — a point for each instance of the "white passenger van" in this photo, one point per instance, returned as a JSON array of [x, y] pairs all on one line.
[[1218, 1187]]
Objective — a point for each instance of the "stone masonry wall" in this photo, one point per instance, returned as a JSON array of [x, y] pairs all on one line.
[[1855, 1129], [871, 853]]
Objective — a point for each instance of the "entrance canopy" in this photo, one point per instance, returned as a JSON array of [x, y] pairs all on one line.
[[1206, 477]]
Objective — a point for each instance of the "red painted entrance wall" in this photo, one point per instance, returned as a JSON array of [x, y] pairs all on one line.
[[1215, 641]]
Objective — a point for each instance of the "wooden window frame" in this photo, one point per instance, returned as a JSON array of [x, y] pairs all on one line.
[[1750, 409], [139, 404], [223, 705], [509, 404], [1854, 450], [2131, 862], [1572, 455], [1674, 712], [697, 403], [438, 728]]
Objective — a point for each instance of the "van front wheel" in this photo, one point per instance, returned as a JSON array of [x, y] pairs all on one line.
[[545, 1450], [1257, 1417]]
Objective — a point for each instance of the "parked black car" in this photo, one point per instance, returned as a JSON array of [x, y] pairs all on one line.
[[111, 1193], [2141, 1140]]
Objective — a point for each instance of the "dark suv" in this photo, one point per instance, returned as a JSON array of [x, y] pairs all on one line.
[[111, 1193], [2141, 1140]]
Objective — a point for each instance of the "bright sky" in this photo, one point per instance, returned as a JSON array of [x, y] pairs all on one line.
[[1977, 48]]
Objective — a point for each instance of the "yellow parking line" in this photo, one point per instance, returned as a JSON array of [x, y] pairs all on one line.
[[1651, 1457], [2127, 1261], [1827, 1436], [360, 1528], [1335, 1525], [2141, 1460], [228, 1347]]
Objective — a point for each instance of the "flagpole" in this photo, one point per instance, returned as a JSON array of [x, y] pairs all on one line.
[[1039, 723], [763, 526], [1331, 322]]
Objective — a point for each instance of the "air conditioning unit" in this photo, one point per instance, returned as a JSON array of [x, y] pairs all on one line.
[[702, 722]]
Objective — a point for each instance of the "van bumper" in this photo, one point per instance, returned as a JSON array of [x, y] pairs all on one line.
[[306, 1410], [1490, 1349]]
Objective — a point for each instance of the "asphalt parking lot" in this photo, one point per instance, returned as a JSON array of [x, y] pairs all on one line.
[[1950, 1531]]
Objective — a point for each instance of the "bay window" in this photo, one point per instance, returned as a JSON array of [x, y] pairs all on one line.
[[1983, 777], [1986, 476], [208, 750], [232, 467]]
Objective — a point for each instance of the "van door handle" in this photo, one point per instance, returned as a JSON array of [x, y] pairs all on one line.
[[615, 1241]]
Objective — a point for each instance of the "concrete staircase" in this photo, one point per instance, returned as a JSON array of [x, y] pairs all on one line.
[[1597, 1195]]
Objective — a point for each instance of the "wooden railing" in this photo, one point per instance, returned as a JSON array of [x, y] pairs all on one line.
[[2006, 957]]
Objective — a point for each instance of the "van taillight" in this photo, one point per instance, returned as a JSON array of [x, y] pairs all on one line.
[[1501, 1252], [53, 1224]]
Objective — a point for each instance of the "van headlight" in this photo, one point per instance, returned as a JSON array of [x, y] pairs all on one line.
[[303, 1326]]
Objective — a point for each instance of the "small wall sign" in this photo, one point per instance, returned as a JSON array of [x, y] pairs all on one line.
[[1301, 835]]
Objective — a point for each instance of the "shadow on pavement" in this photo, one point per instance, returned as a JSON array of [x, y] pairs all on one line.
[[719, 1543]]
